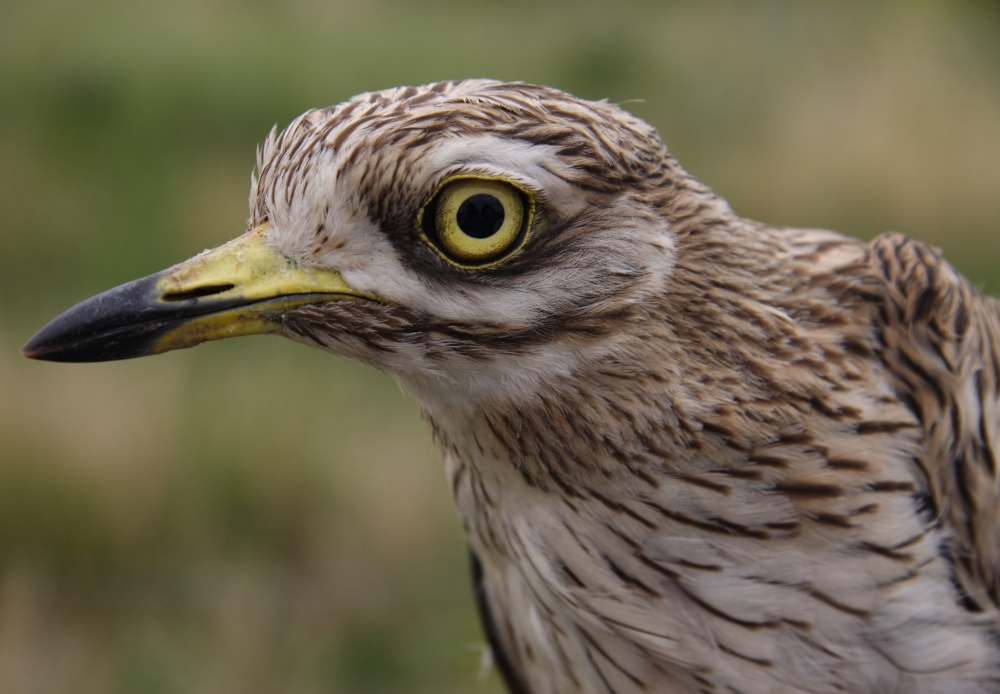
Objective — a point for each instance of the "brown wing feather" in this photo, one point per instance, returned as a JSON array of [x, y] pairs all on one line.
[[941, 343], [505, 663]]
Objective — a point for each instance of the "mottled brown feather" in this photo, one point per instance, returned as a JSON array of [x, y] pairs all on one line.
[[693, 453]]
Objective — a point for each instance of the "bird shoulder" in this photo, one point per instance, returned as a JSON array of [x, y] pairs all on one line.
[[940, 339]]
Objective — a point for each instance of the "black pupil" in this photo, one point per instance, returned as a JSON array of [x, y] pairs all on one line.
[[480, 216]]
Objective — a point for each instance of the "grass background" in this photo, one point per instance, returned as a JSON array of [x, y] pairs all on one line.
[[255, 517]]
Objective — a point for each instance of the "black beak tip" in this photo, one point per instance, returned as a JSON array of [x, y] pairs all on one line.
[[48, 347], [121, 323], [52, 350], [31, 351], [118, 324], [41, 347]]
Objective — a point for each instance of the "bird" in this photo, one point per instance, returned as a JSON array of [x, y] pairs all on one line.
[[692, 453]]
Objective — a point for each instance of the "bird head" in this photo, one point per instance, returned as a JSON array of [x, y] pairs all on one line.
[[462, 235]]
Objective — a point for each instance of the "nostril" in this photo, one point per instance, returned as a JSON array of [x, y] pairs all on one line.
[[197, 292]]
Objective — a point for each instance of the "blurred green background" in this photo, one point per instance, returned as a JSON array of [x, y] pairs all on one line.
[[252, 516]]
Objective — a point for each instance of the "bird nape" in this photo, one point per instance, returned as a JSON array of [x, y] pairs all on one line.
[[692, 452]]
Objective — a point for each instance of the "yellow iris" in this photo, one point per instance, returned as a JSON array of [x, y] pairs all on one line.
[[476, 220]]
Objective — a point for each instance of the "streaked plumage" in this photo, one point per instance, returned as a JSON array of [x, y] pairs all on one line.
[[693, 453]]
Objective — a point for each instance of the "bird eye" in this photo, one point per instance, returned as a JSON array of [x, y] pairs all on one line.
[[475, 221]]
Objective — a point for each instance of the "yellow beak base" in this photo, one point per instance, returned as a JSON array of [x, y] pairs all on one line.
[[240, 288]]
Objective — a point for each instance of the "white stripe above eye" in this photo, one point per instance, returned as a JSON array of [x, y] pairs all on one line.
[[538, 168]]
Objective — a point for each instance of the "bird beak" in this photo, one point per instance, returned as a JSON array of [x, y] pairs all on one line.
[[240, 288]]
